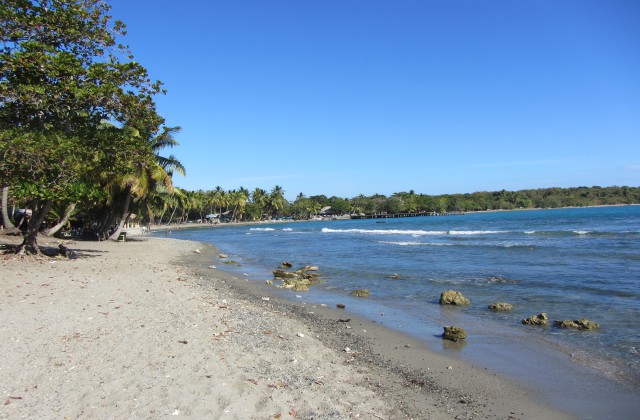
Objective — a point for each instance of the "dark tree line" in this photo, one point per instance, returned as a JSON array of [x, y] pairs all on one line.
[[244, 205]]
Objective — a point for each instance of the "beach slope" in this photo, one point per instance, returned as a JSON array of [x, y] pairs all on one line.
[[145, 329]]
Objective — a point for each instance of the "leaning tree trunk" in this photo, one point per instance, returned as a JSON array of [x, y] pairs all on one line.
[[108, 218], [124, 218], [6, 222], [39, 212], [52, 231], [172, 213]]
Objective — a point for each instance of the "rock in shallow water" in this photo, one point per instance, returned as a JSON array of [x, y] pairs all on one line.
[[454, 333], [540, 319], [285, 274], [361, 293], [500, 306], [452, 297], [579, 324]]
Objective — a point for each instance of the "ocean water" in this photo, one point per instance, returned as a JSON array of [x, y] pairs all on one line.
[[569, 263]]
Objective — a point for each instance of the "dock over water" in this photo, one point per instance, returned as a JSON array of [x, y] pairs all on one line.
[[398, 215]]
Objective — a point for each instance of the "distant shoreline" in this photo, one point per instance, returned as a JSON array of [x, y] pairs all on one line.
[[192, 225]]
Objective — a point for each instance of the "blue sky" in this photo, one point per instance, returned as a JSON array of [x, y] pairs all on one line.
[[349, 97]]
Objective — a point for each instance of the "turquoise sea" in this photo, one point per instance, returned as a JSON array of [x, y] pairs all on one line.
[[570, 263]]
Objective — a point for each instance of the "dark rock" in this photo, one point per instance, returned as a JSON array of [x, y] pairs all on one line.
[[540, 319], [452, 297], [579, 324], [298, 284], [304, 272], [500, 306], [286, 264], [454, 333], [285, 274], [361, 293], [66, 252]]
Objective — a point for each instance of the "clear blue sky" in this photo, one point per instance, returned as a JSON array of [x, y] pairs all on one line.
[[348, 97]]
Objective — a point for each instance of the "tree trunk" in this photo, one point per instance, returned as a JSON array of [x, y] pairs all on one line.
[[123, 219], [39, 212], [52, 231], [233, 215], [108, 219], [6, 222], [172, 213]]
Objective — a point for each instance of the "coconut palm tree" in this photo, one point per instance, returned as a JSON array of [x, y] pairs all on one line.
[[163, 140], [219, 199], [148, 174], [260, 198], [276, 200], [238, 199]]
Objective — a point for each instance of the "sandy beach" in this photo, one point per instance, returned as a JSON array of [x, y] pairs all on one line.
[[146, 329]]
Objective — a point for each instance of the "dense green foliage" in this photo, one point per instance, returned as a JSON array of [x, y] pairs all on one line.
[[241, 205], [63, 74]]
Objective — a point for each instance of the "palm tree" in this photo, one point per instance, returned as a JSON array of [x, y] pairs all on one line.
[[165, 139], [260, 199], [277, 200], [62, 218], [138, 185], [219, 199], [173, 202], [238, 199], [153, 171]]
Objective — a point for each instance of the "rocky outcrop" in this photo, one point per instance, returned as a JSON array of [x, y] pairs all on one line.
[[578, 324], [454, 333], [361, 293], [300, 285], [540, 319], [299, 280], [282, 274], [500, 307], [452, 297]]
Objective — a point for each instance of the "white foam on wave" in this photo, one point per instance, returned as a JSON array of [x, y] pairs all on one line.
[[414, 233], [475, 232], [581, 232], [407, 243], [514, 245], [386, 231], [287, 229], [263, 229]]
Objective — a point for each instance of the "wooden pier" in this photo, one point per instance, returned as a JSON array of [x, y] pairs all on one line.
[[398, 215]]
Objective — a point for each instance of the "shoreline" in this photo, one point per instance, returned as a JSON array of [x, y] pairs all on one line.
[[559, 380], [157, 229], [146, 328], [566, 377]]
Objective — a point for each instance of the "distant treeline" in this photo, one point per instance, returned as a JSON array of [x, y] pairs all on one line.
[[482, 201], [259, 204]]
